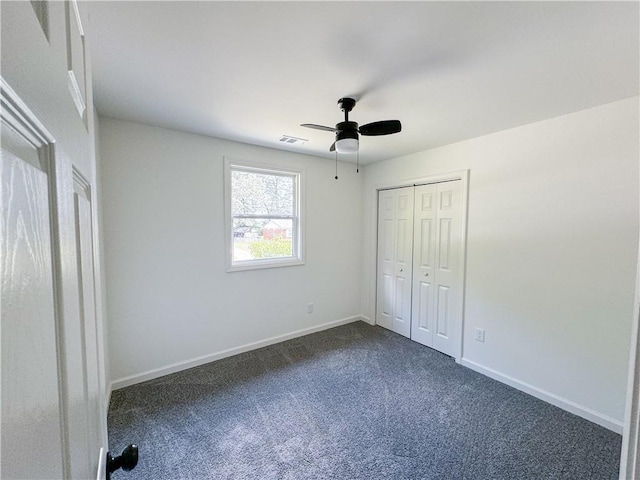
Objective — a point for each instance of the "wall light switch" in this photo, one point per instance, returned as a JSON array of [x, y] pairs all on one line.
[[480, 334], [310, 308]]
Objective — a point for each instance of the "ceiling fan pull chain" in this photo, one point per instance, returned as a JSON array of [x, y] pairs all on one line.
[[336, 164], [358, 161]]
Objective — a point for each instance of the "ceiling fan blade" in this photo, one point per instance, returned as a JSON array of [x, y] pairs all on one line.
[[384, 127], [318, 127], [332, 148]]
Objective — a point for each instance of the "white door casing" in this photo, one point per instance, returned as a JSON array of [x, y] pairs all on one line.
[[395, 243]]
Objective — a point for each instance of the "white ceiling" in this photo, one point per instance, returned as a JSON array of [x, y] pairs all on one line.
[[253, 71]]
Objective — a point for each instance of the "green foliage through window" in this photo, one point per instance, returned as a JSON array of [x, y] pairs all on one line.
[[278, 247]]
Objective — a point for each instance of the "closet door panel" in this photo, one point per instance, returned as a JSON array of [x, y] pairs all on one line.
[[403, 255], [448, 271], [385, 284], [395, 253], [424, 256]]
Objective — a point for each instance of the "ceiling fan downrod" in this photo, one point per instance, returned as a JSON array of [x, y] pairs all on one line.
[[346, 104]]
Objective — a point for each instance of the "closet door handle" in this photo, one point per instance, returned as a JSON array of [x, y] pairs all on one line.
[[401, 270], [426, 274]]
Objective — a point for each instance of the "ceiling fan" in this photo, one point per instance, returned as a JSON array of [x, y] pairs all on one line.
[[347, 132]]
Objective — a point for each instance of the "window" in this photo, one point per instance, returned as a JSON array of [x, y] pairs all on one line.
[[264, 227]]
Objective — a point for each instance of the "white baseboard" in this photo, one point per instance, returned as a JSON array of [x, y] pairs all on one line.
[[184, 365], [366, 319], [568, 405]]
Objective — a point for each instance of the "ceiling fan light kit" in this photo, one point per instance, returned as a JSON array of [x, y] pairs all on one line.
[[347, 132], [347, 145], [346, 137]]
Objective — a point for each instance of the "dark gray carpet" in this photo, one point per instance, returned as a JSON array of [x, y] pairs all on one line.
[[353, 402]]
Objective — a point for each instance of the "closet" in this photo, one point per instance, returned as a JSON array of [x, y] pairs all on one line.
[[420, 266]]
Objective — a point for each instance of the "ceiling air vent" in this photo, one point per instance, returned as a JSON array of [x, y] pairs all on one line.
[[292, 140]]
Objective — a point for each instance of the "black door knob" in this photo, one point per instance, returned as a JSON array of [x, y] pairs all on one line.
[[127, 460]]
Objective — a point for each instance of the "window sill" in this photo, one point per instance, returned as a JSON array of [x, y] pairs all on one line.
[[257, 265]]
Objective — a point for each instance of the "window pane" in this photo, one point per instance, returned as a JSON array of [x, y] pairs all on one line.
[[261, 194], [262, 238]]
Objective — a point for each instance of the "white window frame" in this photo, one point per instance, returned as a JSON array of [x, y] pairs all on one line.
[[298, 217]]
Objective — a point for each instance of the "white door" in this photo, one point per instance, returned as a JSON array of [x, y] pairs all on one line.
[[424, 255], [31, 410], [51, 344], [395, 243], [437, 281]]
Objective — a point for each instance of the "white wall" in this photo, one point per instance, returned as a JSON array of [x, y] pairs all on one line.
[[551, 252], [170, 299]]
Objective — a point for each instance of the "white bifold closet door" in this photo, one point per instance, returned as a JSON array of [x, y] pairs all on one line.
[[436, 311], [419, 272], [395, 245]]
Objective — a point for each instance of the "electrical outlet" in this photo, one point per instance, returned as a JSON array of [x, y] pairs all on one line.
[[310, 308], [480, 334]]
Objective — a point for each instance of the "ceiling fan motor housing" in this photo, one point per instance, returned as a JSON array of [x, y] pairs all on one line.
[[346, 130]]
